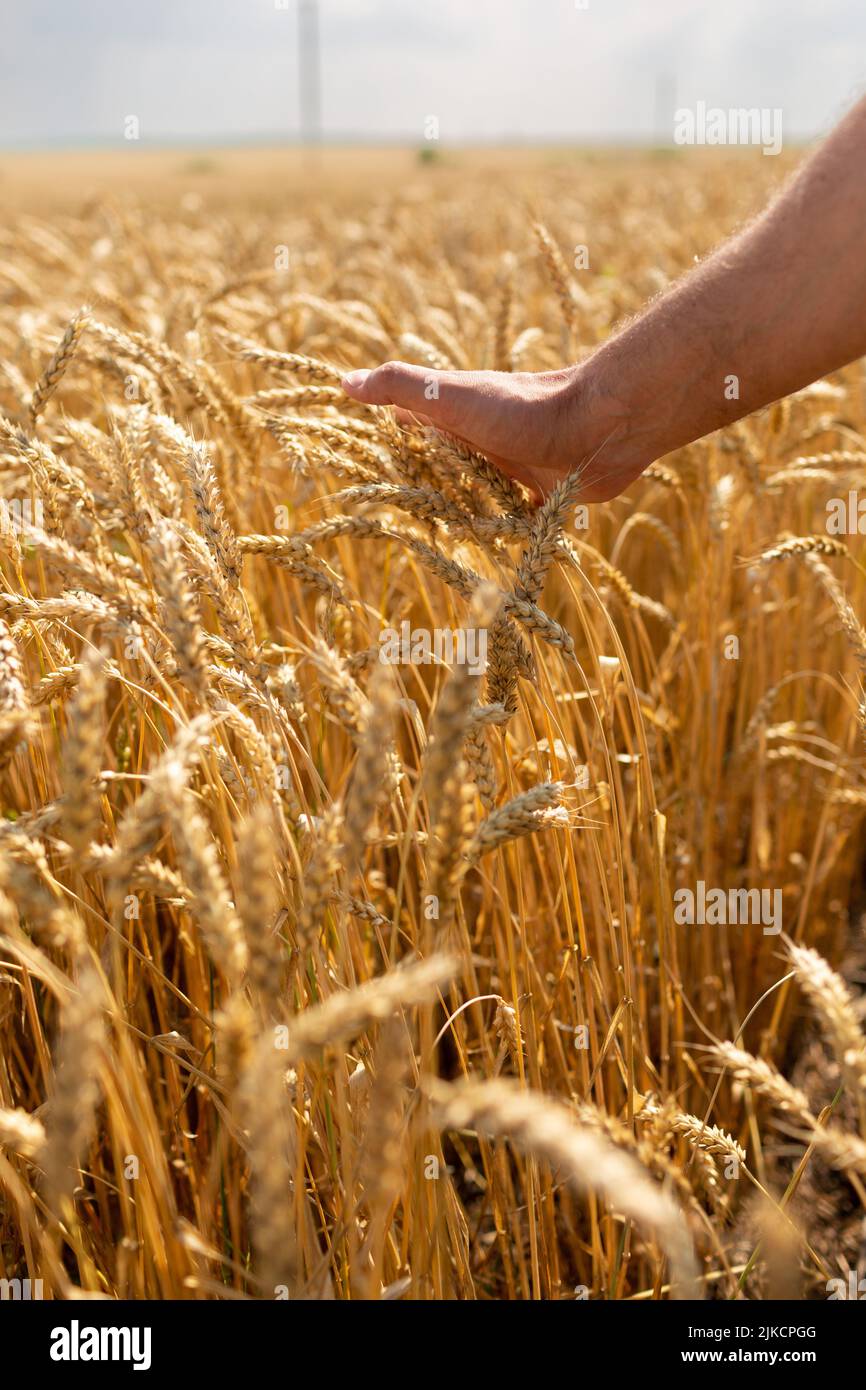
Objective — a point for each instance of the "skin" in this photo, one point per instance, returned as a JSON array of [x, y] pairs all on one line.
[[779, 305]]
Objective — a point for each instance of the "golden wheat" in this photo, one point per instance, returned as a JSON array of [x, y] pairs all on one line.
[[276, 918]]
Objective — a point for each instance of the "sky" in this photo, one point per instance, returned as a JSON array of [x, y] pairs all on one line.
[[72, 71]]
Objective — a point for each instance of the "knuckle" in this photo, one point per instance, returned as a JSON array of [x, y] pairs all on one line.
[[389, 373]]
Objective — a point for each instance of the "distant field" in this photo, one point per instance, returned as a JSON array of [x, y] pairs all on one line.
[[33, 181]]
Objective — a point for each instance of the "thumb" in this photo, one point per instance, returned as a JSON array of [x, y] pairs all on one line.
[[398, 383]]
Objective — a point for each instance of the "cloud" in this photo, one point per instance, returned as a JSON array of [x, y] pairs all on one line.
[[487, 68]]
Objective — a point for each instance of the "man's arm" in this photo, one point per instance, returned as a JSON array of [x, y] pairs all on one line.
[[777, 306]]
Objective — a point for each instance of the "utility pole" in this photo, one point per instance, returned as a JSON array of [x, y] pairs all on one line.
[[309, 74], [665, 102]]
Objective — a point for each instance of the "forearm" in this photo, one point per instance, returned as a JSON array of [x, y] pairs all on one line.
[[779, 305]]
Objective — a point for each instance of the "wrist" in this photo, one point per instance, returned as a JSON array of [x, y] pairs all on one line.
[[602, 421]]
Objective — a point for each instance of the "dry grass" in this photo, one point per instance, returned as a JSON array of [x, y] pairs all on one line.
[[332, 979]]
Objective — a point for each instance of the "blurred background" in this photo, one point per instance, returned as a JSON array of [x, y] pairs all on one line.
[[221, 72]]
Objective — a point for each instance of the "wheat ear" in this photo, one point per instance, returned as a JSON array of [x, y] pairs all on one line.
[[547, 1130]]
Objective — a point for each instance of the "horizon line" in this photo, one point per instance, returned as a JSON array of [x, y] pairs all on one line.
[[269, 139]]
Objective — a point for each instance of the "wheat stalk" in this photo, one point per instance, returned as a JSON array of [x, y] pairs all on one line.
[[545, 1129]]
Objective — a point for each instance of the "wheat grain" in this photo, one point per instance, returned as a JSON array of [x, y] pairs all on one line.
[[345, 1015], [59, 364], [82, 753], [541, 1127]]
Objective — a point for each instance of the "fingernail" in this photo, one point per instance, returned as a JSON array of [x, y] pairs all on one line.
[[355, 379]]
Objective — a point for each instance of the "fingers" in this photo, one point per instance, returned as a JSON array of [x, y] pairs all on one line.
[[466, 405], [397, 383]]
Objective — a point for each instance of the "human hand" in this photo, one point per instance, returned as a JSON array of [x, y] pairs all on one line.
[[536, 427]]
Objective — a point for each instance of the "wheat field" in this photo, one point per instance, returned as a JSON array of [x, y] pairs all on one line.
[[328, 978]]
